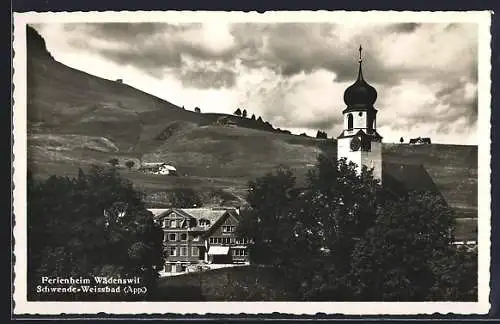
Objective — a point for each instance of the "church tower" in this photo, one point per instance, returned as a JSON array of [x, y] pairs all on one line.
[[359, 142]]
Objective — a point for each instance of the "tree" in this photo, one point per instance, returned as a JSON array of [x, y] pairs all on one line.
[[260, 120], [401, 140], [237, 112], [130, 164], [321, 134], [197, 109], [345, 237], [114, 162], [87, 226], [393, 261], [185, 198], [244, 114], [268, 197], [253, 117]]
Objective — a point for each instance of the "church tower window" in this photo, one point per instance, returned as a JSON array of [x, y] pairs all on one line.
[[350, 121]]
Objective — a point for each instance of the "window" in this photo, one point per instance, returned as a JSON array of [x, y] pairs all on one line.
[[204, 222], [195, 251], [173, 251], [173, 223], [350, 121], [241, 241], [227, 229], [225, 240], [184, 237], [360, 114], [183, 251], [172, 237], [165, 223], [239, 252], [216, 240]]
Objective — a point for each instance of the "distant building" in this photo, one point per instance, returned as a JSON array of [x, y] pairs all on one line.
[[420, 140], [159, 168], [226, 121], [196, 236], [119, 80]]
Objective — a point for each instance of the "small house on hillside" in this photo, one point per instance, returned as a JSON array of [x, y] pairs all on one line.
[[159, 168], [226, 121], [420, 140]]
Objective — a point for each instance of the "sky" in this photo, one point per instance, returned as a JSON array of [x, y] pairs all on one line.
[[293, 75]]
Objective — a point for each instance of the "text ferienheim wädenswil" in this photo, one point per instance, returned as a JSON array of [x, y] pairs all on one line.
[[96, 284]]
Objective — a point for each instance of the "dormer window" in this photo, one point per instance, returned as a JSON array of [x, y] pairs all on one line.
[[204, 222]]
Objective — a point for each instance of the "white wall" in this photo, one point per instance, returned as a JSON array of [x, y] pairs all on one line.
[[358, 121], [372, 159]]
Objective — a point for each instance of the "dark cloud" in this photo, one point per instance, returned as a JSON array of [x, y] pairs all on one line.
[[127, 32], [151, 47], [403, 27], [208, 78], [454, 96]]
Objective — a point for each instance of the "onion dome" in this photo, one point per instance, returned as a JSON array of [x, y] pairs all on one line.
[[360, 93]]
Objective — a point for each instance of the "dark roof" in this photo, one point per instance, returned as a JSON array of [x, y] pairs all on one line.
[[400, 178], [213, 215], [360, 93], [369, 133]]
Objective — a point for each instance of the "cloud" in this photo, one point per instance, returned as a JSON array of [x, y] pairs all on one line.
[[294, 74], [208, 78]]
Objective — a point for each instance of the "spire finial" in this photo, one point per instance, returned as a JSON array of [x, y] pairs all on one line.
[[360, 72]]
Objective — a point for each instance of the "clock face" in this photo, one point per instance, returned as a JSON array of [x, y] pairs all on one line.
[[355, 143]]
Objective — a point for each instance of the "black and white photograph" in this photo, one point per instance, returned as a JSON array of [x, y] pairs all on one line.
[[335, 161]]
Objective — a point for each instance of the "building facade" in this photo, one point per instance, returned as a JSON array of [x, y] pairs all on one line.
[[196, 236]]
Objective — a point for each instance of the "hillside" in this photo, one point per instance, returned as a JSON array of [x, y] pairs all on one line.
[[76, 119]]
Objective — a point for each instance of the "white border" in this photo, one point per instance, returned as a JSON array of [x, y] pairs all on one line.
[[22, 306]]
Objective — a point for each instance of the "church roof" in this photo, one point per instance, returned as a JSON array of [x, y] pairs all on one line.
[[360, 95], [401, 178], [366, 132]]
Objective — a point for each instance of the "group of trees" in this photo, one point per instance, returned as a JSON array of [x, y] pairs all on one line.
[[321, 134], [238, 112], [92, 225], [343, 237], [243, 113]]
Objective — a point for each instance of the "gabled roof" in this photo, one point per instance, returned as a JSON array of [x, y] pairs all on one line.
[[213, 215], [401, 178]]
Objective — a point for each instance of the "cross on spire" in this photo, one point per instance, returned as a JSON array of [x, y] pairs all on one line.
[[360, 72]]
